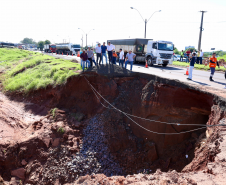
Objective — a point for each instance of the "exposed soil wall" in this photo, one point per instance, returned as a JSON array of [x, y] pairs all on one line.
[[119, 141]]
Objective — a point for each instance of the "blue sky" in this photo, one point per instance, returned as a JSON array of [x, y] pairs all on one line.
[[178, 21]]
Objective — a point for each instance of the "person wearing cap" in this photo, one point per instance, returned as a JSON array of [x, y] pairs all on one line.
[[114, 56], [121, 57], [90, 55], [84, 59], [110, 48], [129, 59], [103, 52], [98, 52], [213, 64]]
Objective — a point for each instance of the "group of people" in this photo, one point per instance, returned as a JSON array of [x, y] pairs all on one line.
[[87, 56], [213, 63], [188, 55]]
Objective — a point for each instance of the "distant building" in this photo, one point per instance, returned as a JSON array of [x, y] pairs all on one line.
[[186, 47]]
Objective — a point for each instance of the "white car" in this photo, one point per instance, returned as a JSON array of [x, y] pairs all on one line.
[[177, 58]]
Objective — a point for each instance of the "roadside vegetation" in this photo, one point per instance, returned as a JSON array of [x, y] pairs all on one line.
[[26, 70], [197, 66]]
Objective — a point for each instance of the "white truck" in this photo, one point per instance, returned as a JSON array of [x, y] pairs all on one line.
[[68, 48], [155, 52]]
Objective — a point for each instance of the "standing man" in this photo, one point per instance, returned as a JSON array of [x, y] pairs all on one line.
[[84, 59], [98, 52], [188, 55], [121, 57], [90, 55], [130, 57], [192, 63], [110, 48], [201, 55], [93, 59], [181, 55], [103, 53], [213, 63]]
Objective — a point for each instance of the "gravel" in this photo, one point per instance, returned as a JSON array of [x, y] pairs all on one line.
[[94, 156]]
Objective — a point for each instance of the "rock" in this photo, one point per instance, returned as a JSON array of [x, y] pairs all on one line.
[[77, 124], [20, 173], [56, 142], [24, 163]]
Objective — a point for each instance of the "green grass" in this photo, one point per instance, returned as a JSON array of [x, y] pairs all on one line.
[[26, 70], [198, 66], [61, 130], [223, 57]]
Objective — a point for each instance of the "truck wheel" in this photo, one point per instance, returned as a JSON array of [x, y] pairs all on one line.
[[164, 65], [149, 60]]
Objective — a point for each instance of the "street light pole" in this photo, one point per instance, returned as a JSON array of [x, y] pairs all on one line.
[[145, 28], [145, 21], [86, 35]]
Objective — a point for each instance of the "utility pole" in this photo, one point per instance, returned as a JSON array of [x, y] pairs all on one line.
[[145, 28], [201, 29]]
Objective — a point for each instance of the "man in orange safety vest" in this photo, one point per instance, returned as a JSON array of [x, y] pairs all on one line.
[[213, 63]]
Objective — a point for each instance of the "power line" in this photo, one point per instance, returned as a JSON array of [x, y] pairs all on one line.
[[127, 115]]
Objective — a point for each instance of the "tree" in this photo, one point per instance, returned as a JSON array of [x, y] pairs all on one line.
[[41, 45], [28, 41], [47, 42], [176, 51]]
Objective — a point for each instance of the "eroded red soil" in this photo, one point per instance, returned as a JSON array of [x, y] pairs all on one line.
[[36, 144]]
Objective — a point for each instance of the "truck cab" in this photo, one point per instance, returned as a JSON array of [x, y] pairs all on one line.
[[159, 52]]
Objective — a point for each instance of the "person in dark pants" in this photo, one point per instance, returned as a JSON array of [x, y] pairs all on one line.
[[213, 63], [181, 55], [114, 56], [98, 52], [90, 55], [110, 48]]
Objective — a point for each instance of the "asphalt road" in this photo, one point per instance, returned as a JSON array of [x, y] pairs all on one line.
[[172, 72]]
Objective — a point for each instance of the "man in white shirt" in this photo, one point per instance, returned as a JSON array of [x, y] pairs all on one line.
[[98, 52], [110, 48], [130, 57], [121, 57], [201, 55]]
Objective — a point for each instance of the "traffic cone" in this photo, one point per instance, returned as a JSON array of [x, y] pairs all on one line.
[[67, 54], [62, 53], [187, 73], [72, 54], [146, 65], [78, 55]]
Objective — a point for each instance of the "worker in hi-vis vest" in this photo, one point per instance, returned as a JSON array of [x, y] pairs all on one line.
[[181, 55], [213, 63]]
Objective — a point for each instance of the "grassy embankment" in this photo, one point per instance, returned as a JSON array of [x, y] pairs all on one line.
[[198, 66], [25, 71]]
